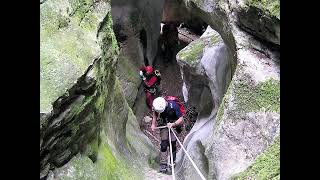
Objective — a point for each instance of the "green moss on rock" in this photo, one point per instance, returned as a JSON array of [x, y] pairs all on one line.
[[192, 52], [222, 106], [79, 167], [215, 39], [67, 47], [109, 166], [272, 7], [92, 148], [195, 49], [266, 165], [251, 98]]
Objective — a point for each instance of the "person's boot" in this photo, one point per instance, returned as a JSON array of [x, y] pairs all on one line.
[[163, 167], [169, 168], [163, 163]]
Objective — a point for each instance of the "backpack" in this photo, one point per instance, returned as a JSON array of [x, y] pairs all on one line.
[[181, 106]]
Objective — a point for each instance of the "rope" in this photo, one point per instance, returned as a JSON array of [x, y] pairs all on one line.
[[171, 156], [172, 167], [160, 127], [194, 165]]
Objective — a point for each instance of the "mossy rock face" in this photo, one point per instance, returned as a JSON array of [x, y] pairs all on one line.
[[106, 166], [79, 167], [128, 75], [68, 44], [74, 68], [244, 96], [271, 7], [83, 133], [193, 53], [266, 166], [111, 166], [205, 81], [263, 95], [248, 120]]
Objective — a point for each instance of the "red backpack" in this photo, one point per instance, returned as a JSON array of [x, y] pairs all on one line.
[[173, 98]]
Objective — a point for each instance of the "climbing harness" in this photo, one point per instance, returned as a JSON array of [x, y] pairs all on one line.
[[171, 156]]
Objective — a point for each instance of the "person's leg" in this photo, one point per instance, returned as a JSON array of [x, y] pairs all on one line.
[[163, 149], [174, 146]]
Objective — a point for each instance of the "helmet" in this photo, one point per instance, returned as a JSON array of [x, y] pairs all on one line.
[[149, 69], [159, 104]]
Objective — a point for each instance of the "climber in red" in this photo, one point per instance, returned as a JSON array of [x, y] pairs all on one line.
[[151, 80]]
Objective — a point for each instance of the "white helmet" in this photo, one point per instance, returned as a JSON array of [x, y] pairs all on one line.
[[159, 104]]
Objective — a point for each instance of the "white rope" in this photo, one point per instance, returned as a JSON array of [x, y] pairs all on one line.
[[160, 127], [171, 156], [172, 167], [194, 165]]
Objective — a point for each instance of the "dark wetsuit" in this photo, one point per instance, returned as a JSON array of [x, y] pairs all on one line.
[[170, 114]]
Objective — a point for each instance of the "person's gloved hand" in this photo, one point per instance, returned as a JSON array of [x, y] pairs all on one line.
[[170, 125]]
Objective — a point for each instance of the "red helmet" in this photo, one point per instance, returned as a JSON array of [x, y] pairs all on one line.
[[149, 69]]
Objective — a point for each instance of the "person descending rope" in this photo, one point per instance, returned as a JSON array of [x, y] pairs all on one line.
[[151, 80], [167, 111]]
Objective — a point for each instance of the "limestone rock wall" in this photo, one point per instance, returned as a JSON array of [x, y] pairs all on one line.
[[206, 70], [247, 121], [87, 128], [137, 28]]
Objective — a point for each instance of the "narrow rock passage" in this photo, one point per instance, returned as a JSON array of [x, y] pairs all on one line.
[[171, 84]]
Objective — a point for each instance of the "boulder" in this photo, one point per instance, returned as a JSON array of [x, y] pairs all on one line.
[[245, 120], [206, 71], [87, 128]]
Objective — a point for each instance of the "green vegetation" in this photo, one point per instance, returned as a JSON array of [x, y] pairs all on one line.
[[82, 168], [253, 98], [266, 165], [248, 98], [270, 6], [193, 52], [222, 106], [66, 48], [214, 39], [109, 166]]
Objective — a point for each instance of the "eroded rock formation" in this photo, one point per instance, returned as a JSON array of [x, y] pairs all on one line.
[[90, 129], [247, 122]]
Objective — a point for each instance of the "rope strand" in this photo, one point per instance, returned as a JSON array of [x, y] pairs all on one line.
[[171, 156], [194, 165]]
